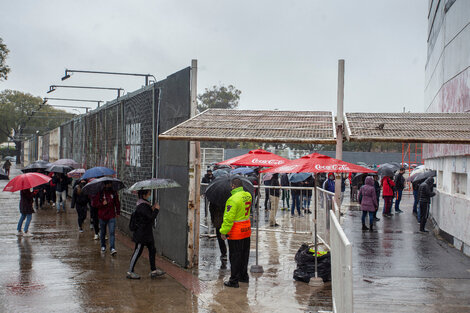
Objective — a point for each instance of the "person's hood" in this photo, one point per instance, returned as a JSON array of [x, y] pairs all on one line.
[[429, 181], [369, 181]]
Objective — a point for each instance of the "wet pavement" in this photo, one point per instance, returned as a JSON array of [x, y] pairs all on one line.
[[396, 269]]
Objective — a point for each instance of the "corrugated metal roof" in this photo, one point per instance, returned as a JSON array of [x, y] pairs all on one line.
[[257, 126], [408, 127]]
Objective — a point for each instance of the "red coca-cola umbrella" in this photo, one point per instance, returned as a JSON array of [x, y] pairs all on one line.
[[258, 157], [26, 181], [318, 163]]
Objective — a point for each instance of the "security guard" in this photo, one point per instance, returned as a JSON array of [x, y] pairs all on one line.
[[236, 227]]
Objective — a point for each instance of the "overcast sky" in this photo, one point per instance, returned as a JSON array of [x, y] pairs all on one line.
[[280, 54]]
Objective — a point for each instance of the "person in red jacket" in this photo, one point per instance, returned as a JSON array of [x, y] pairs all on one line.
[[387, 193], [109, 207]]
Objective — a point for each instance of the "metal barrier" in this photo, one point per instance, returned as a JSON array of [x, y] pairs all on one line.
[[341, 268]]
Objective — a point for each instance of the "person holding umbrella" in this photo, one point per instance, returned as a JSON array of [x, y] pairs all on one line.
[[61, 183], [236, 227], [80, 200], [144, 216], [425, 194], [109, 207], [26, 210], [388, 187]]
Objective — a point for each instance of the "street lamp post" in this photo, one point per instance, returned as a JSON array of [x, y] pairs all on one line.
[[77, 100], [67, 74]]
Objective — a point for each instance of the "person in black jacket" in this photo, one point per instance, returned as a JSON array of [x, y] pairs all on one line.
[[80, 200], [61, 184], [415, 186], [399, 185], [285, 192], [377, 193], [425, 194], [26, 210], [217, 218], [145, 216], [208, 178]]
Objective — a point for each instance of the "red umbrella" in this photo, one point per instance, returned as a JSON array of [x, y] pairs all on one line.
[[318, 163], [258, 157], [26, 181]]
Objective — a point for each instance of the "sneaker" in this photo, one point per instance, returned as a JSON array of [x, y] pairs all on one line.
[[113, 251], [301, 215], [80, 230], [292, 215], [96, 237], [156, 273], [19, 233], [26, 234], [103, 249], [376, 219], [132, 275], [424, 231], [398, 211], [228, 283]]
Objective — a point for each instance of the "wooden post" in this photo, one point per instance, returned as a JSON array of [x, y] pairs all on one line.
[[194, 181], [339, 130]]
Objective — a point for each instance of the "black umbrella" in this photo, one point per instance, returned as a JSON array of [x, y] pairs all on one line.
[[58, 169], [387, 169], [359, 178], [220, 189], [97, 185], [37, 165], [423, 176]]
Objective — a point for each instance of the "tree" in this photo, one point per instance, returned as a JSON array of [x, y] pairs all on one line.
[[22, 114], [219, 97], [4, 69]]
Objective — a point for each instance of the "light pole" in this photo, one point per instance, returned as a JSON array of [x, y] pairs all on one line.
[[67, 74], [79, 100], [54, 87]]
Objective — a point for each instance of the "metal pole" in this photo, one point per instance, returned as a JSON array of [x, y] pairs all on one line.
[[257, 268], [315, 281], [339, 129]]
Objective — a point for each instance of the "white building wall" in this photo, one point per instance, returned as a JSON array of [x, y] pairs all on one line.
[[447, 89]]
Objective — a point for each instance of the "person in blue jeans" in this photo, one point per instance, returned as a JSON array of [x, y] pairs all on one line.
[[26, 210], [109, 207], [295, 199], [399, 185]]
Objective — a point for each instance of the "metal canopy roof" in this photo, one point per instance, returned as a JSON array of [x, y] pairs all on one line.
[[257, 126], [408, 127]]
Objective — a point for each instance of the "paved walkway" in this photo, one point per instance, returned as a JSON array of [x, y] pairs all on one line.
[[398, 269]]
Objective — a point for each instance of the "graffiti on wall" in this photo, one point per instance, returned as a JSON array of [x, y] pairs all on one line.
[[133, 144]]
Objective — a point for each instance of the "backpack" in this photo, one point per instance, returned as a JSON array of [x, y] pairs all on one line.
[[133, 222]]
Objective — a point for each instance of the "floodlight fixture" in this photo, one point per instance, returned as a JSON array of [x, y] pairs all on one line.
[[67, 74]]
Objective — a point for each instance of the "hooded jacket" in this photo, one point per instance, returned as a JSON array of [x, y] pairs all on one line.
[[387, 186], [111, 208], [425, 190], [145, 219], [369, 196], [26, 202]]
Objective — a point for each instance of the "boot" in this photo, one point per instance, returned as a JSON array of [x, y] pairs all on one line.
[[364, 227], [371, 227]]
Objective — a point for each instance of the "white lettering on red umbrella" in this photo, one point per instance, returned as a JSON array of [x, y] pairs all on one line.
[[286, 168], [267, 162], [332, 168]]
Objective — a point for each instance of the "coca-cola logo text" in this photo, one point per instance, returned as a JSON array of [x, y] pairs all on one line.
[[267, 162], [332, 168]]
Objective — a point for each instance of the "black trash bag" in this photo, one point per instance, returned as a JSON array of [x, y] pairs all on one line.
[[306, 265]]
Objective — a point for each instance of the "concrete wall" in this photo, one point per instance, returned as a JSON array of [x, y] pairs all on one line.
[[448, 90]]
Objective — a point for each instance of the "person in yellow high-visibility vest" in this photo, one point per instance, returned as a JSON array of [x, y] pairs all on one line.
[[236, 227]]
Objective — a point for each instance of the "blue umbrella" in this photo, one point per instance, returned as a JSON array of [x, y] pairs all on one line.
[[242, 170], [298, 177], [98, 171]]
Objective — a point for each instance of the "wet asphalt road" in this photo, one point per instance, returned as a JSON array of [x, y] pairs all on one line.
[[396, 269]]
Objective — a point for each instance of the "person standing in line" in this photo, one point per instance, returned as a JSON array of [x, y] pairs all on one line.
[[236, 227], [26, 210], [80, 200], [274, 199], [6, 167], [295, 199], [51, 195], [217, 218], [61, 183], [415, 186], [39, 195], [387, 193], [109, 207], [369, 203], [285, 192], [329, 185], [309, 182], [377, 192], [266, 194], [399, 185], [425, 194], [145, 215]]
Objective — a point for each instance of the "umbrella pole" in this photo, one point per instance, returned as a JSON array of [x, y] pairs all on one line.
[[315, 281], [257, 268]]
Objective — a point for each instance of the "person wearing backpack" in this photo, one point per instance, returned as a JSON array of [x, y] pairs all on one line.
[[141, 224]]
